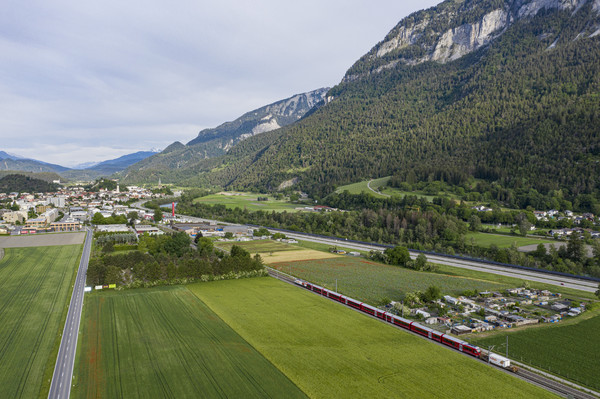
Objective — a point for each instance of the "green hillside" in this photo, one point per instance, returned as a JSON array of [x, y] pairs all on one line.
[[523, 110]]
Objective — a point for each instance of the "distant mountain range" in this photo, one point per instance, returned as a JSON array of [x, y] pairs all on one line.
[[181, 158], [10, 162], [501, 90]]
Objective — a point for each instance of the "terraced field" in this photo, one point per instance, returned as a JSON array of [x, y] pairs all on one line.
[[331, 351], [164, 342], [35, 284], [371, 281]]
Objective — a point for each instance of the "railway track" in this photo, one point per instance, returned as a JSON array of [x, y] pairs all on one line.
[[553, 385], [544, 382]]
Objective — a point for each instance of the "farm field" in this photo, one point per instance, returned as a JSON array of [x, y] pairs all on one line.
[[371, 282], [503, 241], [165, 342], [35, 285], [569, 350], [331, 351], [275, 252], [248, 201], [258, 246]]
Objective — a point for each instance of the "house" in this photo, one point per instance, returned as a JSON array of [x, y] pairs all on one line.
[[460, 330], [145, 229]]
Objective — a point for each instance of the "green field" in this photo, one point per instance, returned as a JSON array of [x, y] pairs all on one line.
[[371, 281], [248, 201], [360, 187], [331, 351], [571, 351], [164, 342], [503, 241], [35, 285], [258, 246]]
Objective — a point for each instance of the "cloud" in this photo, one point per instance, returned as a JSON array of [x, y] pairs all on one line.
[[90, 80]]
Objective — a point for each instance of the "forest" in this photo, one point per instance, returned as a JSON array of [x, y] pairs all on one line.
[[25, 184]]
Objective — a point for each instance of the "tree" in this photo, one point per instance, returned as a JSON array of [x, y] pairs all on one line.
[[397, 256], [158, 215], [421, 262], [432, 293], [474, 223], [237, 251], [229, 235], [598, 292]]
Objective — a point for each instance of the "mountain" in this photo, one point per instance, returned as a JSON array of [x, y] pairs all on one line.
[[94, 170], [20, 183], [501, 90], [217, 141], [17, 163]]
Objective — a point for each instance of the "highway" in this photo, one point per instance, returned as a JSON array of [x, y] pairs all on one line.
[[63, 370], [531, 275]]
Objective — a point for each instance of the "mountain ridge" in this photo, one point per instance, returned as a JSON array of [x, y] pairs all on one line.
[[506, 111]]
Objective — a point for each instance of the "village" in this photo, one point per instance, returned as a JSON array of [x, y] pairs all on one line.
[[485, 311]]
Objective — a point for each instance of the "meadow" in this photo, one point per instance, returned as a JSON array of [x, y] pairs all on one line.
[[35, 285], [247, 201], [164, 342], [569, 350], [503, 241], [331, 351], [372, 282]]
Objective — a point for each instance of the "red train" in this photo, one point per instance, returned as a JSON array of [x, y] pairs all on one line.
[[413, 326]]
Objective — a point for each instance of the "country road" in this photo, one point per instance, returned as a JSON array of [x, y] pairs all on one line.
[[60, 387]]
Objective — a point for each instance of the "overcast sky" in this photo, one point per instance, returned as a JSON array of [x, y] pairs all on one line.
[[88, 81]]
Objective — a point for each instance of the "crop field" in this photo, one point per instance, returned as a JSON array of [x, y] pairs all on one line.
[[331, 351], [164, 342], [571, 351], [371, 281], [35, 284], [503, 241], [276, 252], [258, 246], [248, 201]]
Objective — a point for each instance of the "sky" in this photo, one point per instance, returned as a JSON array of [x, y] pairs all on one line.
[[84, 81]]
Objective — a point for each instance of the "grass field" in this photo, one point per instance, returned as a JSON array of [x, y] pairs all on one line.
[[371, 281], [247, 201], [275, 252], [331, 351], [571, 350], [357, 188], [35, 284], [503, 241], [164, 342]]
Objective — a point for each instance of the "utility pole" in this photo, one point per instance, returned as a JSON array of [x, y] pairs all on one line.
[[506, 345], [336, 291]]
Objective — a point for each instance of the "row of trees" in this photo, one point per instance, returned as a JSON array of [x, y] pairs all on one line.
[[170, 259]]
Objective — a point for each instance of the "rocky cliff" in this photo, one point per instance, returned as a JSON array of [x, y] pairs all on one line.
[[454, 29]]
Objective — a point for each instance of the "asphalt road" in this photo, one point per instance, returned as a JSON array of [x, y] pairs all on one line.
[[63, 370], [559, 281]]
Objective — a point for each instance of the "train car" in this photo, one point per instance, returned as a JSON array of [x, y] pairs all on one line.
[[335, 296], [461, 346], [402, 322], [421, 330], [368, 309], [352, 303]]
